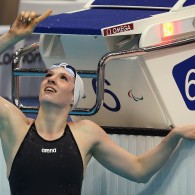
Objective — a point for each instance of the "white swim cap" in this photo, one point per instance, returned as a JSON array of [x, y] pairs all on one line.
[[78, 85]]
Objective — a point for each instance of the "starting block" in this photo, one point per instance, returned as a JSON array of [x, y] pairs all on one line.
[[136, 58]]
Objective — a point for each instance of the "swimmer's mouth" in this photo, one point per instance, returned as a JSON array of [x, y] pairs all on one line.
[[50, 89]]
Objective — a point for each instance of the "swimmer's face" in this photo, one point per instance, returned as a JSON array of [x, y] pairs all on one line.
[[57, 88]]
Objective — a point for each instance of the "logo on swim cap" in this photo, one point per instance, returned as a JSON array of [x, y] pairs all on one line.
[[67, 67]]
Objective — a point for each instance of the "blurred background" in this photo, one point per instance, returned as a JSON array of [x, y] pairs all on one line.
[[8, 11]]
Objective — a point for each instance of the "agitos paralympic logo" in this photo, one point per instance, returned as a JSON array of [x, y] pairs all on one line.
[[136, 98]]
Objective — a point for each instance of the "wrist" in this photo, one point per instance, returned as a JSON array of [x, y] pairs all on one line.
[[11, 36], [8, 39], [175, 133]]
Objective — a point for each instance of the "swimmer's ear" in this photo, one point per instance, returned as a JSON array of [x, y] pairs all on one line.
[[73, 97], [71, 106], [72, 103]]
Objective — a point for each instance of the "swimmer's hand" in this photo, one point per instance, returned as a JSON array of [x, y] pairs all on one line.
[[26, 22], [185, 131]]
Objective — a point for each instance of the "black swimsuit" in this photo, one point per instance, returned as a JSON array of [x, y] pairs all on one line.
[[43, 167]]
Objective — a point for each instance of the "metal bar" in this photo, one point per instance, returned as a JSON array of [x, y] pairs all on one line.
[[17, 72], [15, 64], [131, 53], [41, 72]]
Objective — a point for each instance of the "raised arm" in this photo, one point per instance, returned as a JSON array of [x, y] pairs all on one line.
[[23, 26], [138, 168], [25, 23]]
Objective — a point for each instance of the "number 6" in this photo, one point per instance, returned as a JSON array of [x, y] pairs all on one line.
[[188, 84]]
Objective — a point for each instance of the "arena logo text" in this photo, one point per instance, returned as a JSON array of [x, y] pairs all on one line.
[[43, 150]]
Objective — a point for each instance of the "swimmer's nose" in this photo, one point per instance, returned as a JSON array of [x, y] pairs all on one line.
[[51, 81]]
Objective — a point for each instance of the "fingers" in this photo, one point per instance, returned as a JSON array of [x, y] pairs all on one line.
[[26, 16], [29, 16], [43, 16]]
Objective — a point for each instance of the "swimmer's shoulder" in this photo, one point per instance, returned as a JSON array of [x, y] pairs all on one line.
[[83, 124], [87, 126]]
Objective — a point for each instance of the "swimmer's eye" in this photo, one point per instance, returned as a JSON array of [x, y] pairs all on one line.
[[48, 75], [64, 77]]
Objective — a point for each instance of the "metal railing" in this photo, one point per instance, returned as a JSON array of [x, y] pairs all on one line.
[[99, 73]]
